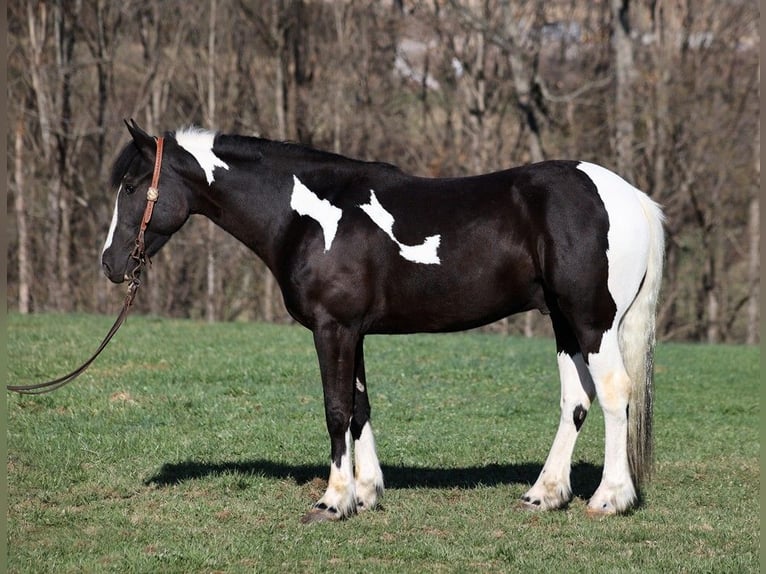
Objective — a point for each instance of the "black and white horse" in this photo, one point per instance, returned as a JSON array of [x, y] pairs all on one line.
[[363, 248]]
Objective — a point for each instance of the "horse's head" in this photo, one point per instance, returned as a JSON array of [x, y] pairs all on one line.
[[131, 177]]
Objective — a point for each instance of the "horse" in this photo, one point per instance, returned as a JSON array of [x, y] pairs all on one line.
[[362, 248]]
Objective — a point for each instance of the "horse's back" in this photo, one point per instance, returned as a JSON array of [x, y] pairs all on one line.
[[418, 254]]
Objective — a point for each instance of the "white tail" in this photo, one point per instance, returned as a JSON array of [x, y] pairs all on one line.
[[637, 339]]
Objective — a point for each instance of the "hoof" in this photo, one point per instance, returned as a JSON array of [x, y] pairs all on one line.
[[320, 513], [530, 504], [608, 501], [553, 497], [600, 512], [368, 495]]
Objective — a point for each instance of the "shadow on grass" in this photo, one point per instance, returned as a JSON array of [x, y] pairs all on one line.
[[585, 476]]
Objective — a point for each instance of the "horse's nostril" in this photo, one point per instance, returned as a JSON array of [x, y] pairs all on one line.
[[107, 270]]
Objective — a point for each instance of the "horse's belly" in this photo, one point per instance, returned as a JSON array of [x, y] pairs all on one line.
[[433, 301]]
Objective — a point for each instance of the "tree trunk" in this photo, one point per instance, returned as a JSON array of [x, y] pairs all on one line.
[[160, 59], [211, 228], [337, 109], [524, 73], [280, 104], [37, 30], [661, 121], [754, 273], [623, 105], [65, 27], [25, 271], [104, 72], [479, 105], [713, 281], [754, 233]]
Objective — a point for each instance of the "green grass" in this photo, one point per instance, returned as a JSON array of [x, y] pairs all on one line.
[[190, 447]]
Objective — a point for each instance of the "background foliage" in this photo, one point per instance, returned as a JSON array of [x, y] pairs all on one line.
[[663, 91]]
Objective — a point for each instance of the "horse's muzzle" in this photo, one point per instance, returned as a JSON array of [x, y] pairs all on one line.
[[113, 276]]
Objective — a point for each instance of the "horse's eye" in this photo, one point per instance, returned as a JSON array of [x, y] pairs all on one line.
[[128, 188]]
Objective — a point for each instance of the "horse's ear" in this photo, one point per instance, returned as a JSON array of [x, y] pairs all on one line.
[[146, 143]]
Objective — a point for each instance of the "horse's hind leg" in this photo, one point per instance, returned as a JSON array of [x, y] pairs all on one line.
[[616, 492], [368, 476], [552, 488]]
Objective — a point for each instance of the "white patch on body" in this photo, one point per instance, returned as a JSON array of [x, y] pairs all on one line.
[[425, 253], [628, 234], [359, 386], [199, 143], [306, 202], [112, 225]]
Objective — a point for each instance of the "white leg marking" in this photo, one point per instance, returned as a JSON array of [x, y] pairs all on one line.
[[369, 477], [616, 491], [552, 488], [306, 202], [199, 143], [112, 225], [340, 493], [425, 253]]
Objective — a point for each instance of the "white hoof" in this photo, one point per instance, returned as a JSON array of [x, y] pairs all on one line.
[[368, 493], [547, 496], [612, 499]]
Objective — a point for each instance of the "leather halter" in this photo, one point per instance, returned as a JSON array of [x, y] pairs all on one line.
[[152, 194], [138, 254]]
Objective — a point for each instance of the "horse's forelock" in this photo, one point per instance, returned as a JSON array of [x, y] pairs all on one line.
[[122, 163]]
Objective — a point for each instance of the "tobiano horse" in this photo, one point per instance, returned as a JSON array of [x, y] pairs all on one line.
[[362, 248]]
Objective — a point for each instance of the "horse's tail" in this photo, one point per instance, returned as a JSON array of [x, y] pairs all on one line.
[[637, 339]]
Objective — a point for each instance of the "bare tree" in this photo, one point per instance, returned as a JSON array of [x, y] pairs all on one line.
[[210, 310], [754, 234], [524, 71], [25, 269], [52, 34], [624, 71]]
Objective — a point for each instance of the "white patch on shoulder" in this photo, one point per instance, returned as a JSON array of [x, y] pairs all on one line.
[[306, 202], [425, 253], [628, 234], [199, 143]]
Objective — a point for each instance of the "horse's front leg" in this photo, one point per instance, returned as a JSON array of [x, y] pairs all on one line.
[[336, 349], [369, 477]]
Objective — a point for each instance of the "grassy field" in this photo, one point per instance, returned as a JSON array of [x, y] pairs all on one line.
[[196, 448]]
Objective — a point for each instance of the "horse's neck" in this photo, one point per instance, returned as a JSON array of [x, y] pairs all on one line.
[[249, 213], [253, 204]]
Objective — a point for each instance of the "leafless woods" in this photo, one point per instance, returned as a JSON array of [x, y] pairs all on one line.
[[666, 92]]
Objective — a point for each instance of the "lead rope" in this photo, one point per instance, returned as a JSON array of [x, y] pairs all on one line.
[[138, 254]]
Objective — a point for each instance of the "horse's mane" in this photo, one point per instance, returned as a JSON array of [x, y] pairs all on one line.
[[245, 147], [253, 147]]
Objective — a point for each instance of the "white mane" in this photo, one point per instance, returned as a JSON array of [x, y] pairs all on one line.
[[199, 143]]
